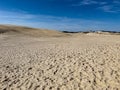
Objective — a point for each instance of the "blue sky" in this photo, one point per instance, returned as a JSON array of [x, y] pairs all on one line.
[[72, 15]]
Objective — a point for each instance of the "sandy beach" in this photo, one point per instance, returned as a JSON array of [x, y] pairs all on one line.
[[77, 62]]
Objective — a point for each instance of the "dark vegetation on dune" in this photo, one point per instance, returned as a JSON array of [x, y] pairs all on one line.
[[98, 31], [110, 31], [76, 31], [5, 31]]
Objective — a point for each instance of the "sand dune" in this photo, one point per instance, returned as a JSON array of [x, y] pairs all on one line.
[[12, 29], [78, 62]]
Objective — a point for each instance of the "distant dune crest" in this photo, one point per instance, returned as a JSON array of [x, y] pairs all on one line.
[[12, 29]]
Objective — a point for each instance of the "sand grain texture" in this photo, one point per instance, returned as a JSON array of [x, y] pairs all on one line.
[[79, 62]]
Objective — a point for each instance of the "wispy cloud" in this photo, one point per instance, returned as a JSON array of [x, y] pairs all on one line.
[[89, 2], [111, 7], [85, 2], [102, 3], [116, 2], [107, 8], [50, 22]]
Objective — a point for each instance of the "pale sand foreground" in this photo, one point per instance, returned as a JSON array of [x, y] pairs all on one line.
[[79, 62]]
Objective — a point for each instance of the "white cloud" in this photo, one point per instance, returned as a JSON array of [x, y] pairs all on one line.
[[50, 22], [109, 8], [89, 2], [116, 1], [106, 8], [86, 2], [103, 3]]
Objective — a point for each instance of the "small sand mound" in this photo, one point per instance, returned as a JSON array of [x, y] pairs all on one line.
[[92, 34]]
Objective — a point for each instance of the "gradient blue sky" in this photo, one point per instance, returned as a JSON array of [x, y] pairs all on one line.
[[72, 15]]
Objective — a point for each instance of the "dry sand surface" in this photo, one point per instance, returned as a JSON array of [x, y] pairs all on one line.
[[78, 62]]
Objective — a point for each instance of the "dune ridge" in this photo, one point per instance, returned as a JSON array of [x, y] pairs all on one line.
[[30, 31]]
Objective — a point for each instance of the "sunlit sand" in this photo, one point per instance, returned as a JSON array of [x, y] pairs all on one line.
[[59, 61]]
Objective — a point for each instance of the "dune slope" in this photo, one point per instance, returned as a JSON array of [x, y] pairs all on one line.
[[10, 29]]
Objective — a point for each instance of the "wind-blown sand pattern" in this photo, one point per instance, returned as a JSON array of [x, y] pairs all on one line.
[[78, 62]]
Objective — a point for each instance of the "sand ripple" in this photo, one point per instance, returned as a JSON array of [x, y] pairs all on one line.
[[77, 63]]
